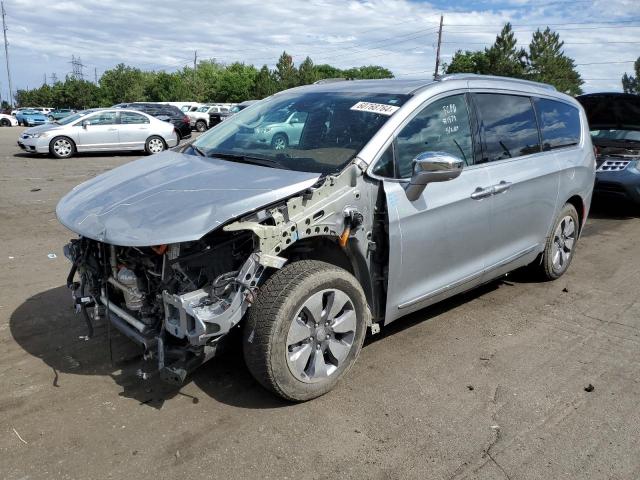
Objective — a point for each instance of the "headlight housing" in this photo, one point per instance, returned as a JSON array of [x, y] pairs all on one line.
[[40, 135]]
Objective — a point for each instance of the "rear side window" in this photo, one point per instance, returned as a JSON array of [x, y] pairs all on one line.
[[442, 126], [508, 126], [128, 118], [559, 123]]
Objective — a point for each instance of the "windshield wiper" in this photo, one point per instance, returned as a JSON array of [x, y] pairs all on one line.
[[198, 150], [255, 160]]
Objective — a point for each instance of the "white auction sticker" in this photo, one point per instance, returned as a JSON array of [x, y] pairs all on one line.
[[380, 108]]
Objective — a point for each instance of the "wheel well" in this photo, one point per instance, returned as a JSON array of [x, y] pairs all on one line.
[[320, 248], [326, 249], [281, 134], [578, 204]]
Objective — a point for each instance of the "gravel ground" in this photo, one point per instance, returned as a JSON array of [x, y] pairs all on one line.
[[488, 385]]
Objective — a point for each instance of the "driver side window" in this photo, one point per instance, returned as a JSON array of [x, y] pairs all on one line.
[[442, 126]]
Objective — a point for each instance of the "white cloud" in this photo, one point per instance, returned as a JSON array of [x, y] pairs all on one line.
[[398, 34]]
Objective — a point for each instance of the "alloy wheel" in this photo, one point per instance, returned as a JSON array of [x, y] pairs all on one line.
[[62, 147], [321, 335], [279, 143], [563, 242]]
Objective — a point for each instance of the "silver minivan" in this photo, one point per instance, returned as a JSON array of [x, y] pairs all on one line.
[[396, 195]]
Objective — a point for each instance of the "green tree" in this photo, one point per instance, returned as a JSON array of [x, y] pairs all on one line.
[[328, 71], [547, 63], [236, 83], [467, 62], [265, 84], [504, 58], [286, 72], [122, 84], [368, 72], [631, 83], [306, 72]]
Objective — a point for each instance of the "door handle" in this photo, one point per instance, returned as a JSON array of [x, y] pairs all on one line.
[[502, 187], [480, 193]]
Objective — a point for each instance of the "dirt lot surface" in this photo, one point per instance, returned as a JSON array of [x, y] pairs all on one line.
[[488, 385]]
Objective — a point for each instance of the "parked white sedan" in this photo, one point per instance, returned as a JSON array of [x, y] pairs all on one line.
[[100, 130], [7, 120]]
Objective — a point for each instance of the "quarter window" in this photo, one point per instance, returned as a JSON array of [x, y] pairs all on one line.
[[559, 123], [442, 126], [128, 118], [507, 125]]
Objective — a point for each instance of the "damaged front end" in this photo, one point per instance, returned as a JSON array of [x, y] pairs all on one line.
[[180, 300], [176, 301]]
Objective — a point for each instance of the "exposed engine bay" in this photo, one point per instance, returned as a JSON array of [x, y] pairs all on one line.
[[179, 300]]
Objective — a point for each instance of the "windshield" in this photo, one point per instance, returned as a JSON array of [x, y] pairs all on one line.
[[620, 135], [71, 118], [316, 132]]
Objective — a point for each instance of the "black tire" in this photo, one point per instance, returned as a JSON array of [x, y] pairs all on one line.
[[201, 126], [155, 144], [62, 147], [5, 122], [51, 118], [266, 329], [279, 141], [547, 266]]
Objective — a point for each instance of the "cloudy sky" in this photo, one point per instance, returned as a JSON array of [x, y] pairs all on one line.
[[602, 36]]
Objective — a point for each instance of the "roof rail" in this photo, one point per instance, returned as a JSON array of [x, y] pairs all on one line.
[[329, 80], [475, 76]]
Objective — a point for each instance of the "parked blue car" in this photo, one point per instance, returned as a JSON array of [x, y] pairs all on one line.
[[30, 118]]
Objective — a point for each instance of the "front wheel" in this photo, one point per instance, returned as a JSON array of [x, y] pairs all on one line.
[[5, 122], [154, 144], [561, 244], [62, 147], [279, 141], [305, 330]]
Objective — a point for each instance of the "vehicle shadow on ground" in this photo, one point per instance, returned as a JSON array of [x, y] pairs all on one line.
[[46, 327], [607, 208]]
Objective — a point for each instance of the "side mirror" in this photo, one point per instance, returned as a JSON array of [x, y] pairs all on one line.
[[85, 123], [431, 167]]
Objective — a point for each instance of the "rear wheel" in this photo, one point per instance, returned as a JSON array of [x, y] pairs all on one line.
[[51, 118], [561, 244], [5, 122], [305, 330], [201, 125], [154, 144], [62, 147]]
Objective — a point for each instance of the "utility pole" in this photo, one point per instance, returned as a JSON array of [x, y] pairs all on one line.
[[195, 64], [435, 73], [6, 54], [44, 82], [95, 74]]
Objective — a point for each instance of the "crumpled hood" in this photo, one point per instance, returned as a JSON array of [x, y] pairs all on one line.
[[171, 197]]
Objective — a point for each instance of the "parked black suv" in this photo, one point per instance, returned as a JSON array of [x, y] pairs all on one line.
[[168, 113], [614, 122]]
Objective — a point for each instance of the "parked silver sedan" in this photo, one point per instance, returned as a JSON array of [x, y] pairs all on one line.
[[100, 130]]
